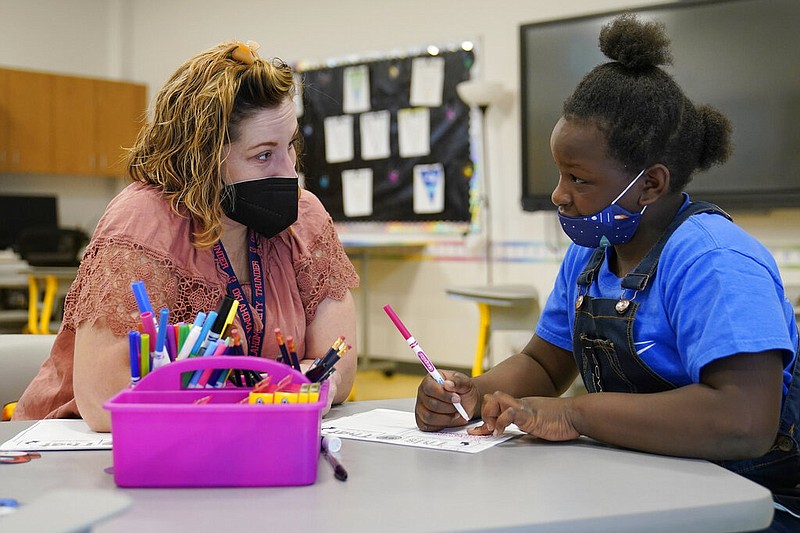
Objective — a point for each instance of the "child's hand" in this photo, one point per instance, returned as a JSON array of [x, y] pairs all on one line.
[[435, 409], [546, 418]]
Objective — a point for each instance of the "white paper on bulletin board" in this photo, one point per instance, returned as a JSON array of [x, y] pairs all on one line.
[[429, 188], [427, 81], [356, 89], [414, 132], [339, 139], [357, 192], [375, 135]]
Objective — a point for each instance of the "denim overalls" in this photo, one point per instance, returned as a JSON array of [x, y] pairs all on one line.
[[604, 352]]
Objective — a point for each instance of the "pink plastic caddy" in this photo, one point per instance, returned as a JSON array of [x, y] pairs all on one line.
[[163, 439]]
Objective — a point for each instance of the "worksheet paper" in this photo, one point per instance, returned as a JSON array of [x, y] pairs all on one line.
[[58, 434], [399, 427]]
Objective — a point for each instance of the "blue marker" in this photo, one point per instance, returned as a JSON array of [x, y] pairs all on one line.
[[8, 505], [195, 379], [210, 319], [160, 355], [142, 300], [133, 347]]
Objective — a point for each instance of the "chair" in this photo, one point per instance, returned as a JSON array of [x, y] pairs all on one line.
[[501, 307], [20, 359]]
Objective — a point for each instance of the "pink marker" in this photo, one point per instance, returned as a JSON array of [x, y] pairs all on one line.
[[412, 342], [149, 327]]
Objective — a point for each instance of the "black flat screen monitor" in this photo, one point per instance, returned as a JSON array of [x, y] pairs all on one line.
[[18, 213], [740, 56]]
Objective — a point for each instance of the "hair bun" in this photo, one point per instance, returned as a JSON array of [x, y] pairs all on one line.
[[717, 133], [634, 44]]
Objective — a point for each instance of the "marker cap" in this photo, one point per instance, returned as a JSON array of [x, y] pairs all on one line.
[[331, 443]]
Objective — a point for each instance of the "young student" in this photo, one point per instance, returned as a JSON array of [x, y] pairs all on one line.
[[674, 317], [214, 207]]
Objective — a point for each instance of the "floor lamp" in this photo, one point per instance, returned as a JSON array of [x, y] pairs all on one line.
[[482, 94], [501, 307]]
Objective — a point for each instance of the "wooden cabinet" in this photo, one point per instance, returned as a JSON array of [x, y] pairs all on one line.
[[26, 122], [73, 128], [54, 124], [3, 121], [119, 113]]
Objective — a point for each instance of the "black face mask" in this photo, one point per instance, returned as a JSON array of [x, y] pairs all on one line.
[[267, 205]]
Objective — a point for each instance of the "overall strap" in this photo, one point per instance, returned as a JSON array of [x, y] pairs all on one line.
[[592, 266], [637, 278]]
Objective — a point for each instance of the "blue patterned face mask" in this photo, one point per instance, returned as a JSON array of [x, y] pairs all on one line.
[[609, 227]]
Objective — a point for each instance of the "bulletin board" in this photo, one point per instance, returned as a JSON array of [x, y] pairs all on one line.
[[388, 139]]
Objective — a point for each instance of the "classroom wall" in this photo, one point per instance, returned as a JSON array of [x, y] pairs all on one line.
[[79, 38], [144, 40]]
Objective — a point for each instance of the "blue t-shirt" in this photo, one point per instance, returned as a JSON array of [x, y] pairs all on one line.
[[717, 292]]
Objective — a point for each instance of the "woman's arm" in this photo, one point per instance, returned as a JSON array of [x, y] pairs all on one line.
[[335, 318], [102, 369]]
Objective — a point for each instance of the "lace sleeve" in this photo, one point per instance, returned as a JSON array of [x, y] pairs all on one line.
[[102, 287], [325, 272]]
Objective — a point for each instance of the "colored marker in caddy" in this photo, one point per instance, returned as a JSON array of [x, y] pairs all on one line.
[[192, 336], [211, 318], [412, 342], [133, 348], [219, 324], [143, 300], [160, 355]]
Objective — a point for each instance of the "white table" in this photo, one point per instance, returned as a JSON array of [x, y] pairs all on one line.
[[520, 485]]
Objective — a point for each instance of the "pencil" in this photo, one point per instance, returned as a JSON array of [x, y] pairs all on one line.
[[292, 354], [285, 355]]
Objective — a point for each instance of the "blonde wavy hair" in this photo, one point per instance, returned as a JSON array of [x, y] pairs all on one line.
[[196, 115]]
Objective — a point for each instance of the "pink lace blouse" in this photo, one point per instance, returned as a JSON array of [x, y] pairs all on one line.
[[140, 238]]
